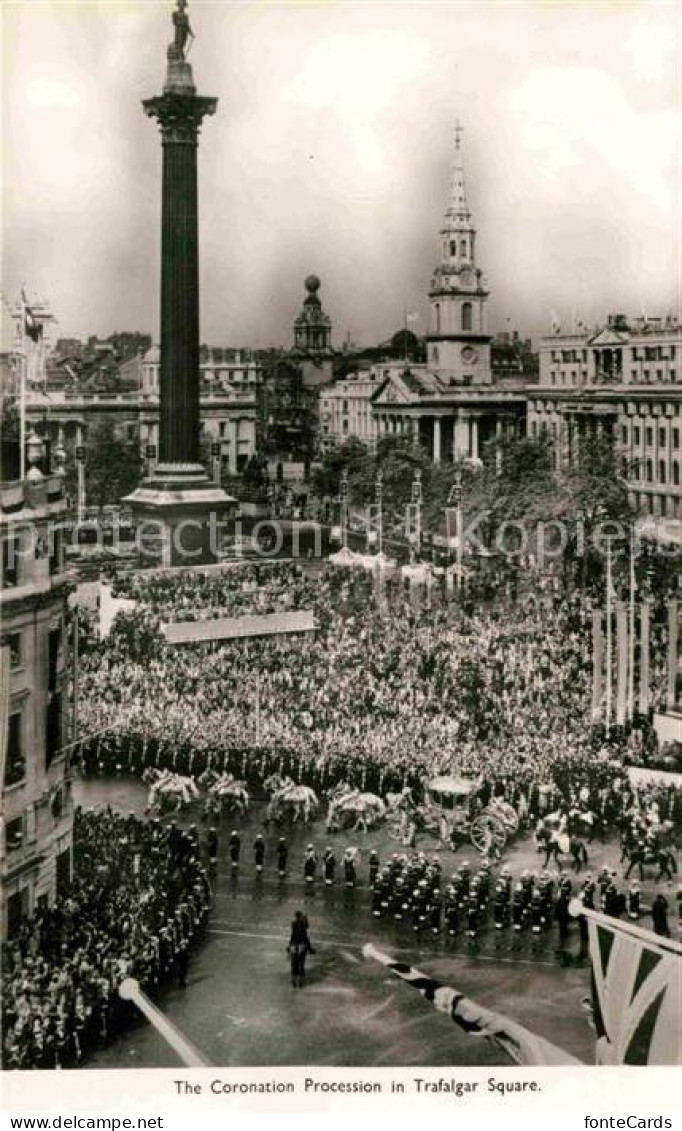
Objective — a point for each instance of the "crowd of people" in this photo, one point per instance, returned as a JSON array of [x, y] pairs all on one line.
[[389, 691], [139, 899]]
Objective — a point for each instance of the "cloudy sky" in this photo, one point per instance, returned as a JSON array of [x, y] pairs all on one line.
[[330, 153]]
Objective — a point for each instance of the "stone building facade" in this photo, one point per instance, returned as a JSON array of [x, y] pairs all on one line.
[[36, 854]]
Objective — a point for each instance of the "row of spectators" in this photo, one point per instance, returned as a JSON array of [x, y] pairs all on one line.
[[139, 898]]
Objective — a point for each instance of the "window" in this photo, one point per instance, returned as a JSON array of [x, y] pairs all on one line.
[[661, 471], [634, 374], [54, 644], [463, 247], [649, 437], [14, 643], [661, 437], [438, 318], [625, 433], [221, 428], [467, 316], [676, 437], [53, 728], [676, 473], [14, 834], [10, 562], [453, 247], [659, 374], [15, 769], [649, 471], [637, 434], [55, 559]]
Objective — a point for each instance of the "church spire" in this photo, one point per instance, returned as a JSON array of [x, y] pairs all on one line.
[[458, 343], [458, 214]]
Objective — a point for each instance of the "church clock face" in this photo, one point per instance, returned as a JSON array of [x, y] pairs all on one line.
[[466, 277], [469, 355]]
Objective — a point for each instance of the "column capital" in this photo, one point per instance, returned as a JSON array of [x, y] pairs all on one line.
[[179, 115]]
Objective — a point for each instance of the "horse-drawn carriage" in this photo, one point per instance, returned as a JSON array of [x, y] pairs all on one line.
[[289, 800], [353, 809], [169, 792], [447, 813], [226, 794]]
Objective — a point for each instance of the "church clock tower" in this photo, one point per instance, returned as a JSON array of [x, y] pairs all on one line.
[[458, 347]]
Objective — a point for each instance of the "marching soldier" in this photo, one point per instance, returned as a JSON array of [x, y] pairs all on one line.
[[212, 847], [259, 852], [235, 847], [282, 855], [349, 868], [451, 910], [373, 867], [473, 918], [435, 911], [501, 906], [310, 865], [633, 901], [328, 866]]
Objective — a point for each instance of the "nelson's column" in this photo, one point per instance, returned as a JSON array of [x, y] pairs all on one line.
[[178, 509]]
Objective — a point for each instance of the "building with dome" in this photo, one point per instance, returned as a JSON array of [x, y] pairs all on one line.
[[313, 339]]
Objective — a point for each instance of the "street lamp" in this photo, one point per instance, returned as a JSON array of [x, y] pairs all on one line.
[[416, 496], [378, 502], [455, 500], [343, 495]]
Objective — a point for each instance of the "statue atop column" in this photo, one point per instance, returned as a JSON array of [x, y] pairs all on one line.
[[183, 32]]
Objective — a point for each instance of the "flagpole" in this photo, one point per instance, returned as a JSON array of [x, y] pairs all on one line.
[[190, 1056], [631, 642], [653, 941], [22, 391], [609, 638]]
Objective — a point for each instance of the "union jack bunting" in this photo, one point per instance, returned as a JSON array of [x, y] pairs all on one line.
[[635, 997]]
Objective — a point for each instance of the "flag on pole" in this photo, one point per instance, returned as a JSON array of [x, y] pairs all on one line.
[[636, 982], [521, 1044], [597, 664], [32, 326]]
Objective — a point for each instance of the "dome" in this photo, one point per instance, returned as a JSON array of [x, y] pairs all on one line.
[[312, 283]]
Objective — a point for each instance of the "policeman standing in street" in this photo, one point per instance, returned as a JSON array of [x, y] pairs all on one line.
[[235, 847]]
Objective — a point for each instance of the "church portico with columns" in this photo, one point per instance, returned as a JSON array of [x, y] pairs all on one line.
[[449, 425]]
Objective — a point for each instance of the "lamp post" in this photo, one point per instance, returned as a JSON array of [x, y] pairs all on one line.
[[416, 497], [343, 496], [80, 465], [609, 634], [456, 500], [631, 629], [378, 502]]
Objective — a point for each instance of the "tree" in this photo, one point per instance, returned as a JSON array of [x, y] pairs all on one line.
[[113, 466]]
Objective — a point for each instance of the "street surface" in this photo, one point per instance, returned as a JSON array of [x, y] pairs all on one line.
[[239, 1007]]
